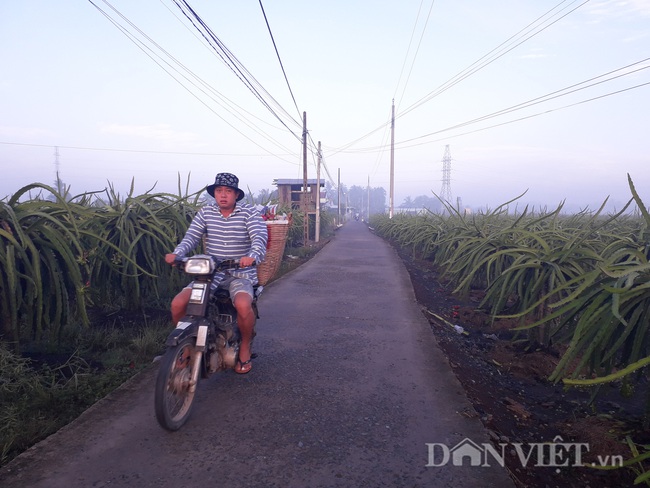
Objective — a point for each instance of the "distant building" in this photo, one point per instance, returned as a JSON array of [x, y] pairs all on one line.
[[290, 193]]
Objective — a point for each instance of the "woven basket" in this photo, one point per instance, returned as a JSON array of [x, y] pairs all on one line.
[[278, 231]]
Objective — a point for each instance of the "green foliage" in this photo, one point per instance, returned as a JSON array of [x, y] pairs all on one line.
[[127, 239], [582, 280], [296, 234], [63, 253], [362, 199], [40, 279], [40, 395]]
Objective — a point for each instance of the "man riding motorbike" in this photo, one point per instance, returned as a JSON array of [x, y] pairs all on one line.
[[232, 230]]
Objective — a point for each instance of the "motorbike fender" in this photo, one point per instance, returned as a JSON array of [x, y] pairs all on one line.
[[187, 328]]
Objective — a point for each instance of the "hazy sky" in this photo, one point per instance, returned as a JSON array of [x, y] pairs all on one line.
[[546, 96]]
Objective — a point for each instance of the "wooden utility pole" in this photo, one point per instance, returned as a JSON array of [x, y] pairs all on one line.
[[317, 229], [338, 196], [368, 212], [304, 205], [392, 162]]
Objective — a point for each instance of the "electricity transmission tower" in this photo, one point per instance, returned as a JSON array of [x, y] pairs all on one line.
[[445, 192], [58, 183]]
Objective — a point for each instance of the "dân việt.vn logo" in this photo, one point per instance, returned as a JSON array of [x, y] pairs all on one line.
[[556, 454]]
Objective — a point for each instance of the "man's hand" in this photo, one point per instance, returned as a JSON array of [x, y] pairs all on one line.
[[170, 258], [246, 261]]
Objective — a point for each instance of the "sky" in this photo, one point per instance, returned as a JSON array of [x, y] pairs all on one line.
[[546, 97]]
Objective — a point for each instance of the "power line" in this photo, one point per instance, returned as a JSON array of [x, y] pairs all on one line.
[[142, 151], [232, 62], [151, 54], [426, 22], [529, 116], [501, 50], [545, 98], [278, 55], [626, 71], [485, 60]]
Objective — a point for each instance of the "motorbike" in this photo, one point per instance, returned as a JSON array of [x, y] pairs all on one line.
[[205, 341]]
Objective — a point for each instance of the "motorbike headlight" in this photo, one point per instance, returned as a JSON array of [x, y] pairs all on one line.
[[198, 266]]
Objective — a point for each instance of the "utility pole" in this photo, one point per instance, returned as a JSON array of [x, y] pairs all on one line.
[[392, 162], [338, 196], [445, 191], [317, 230], [368, 212], [304, 205]]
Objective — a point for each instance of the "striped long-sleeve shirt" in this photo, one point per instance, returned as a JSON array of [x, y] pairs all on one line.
[[242, 233]]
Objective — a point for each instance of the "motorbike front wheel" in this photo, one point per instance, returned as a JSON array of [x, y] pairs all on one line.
[[173, 396]]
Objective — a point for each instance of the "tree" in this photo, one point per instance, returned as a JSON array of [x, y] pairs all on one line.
[[266, 196], [407, 203], [422, 201], [377, 200], [332, 193], [357, 198]]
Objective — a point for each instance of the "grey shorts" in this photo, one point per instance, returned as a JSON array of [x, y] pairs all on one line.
[[237, 285], [234, 286]]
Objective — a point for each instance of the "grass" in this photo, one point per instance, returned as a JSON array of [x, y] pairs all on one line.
[[48, 387]]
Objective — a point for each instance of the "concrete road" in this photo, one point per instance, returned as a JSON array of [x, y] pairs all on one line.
[[349, 390]]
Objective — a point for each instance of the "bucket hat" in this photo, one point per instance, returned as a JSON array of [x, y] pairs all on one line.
[[225, 179]]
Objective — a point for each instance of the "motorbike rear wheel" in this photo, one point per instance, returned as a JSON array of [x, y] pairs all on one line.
[[173, 398]]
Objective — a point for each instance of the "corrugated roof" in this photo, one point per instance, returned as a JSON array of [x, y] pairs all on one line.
[[296, 181]]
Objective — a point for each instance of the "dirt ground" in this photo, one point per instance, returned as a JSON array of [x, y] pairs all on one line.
[[510, 392]]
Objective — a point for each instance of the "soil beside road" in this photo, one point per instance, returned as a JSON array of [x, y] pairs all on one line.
[[509, 389], [350, 389]]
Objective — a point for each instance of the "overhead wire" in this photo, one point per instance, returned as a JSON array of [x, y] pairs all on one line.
[[385, 127], [508, 45], [380, 154], [605, 95], [234, 64], [403, 144], [490, 57], [279, 59], [314, 152], [408, 50], [384, 137], [152, 55], [202, 39], [576, 87], [553, 95], [426, 22], [525, 34]]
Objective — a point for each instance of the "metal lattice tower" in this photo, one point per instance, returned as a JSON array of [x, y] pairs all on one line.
[[445, 192], [58, 184]]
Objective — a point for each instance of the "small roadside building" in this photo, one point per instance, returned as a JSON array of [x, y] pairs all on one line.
[[290, 193]]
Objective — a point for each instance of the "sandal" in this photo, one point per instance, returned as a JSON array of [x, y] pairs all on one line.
[[244, 367]]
